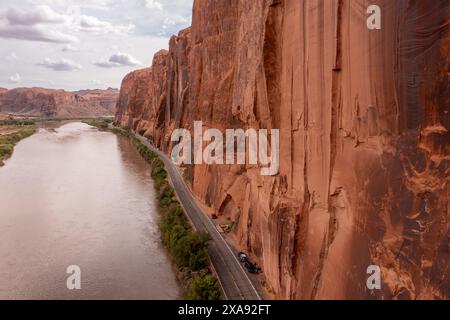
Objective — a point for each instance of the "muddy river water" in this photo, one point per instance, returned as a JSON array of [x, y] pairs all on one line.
[[73, 196]]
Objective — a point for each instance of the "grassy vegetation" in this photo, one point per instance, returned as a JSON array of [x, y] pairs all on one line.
[[8, 141], [100, 123], [203, 287], [187, 247], [16, 122]]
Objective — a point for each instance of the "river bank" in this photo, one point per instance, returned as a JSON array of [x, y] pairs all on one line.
[[11, 132], [187, 247]]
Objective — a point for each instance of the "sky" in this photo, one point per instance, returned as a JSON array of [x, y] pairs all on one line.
[[83, 44]]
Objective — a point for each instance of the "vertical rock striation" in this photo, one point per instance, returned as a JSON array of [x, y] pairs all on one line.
[[364, 137]]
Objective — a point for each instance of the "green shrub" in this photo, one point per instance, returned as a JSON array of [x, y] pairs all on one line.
[[166, 196], [158, 171], [159, 183], [15, 137], [100, 123], [6, 149], [8, 141], [204, 288], [190, 251], [188, 248], [16, 122], [198, 259]]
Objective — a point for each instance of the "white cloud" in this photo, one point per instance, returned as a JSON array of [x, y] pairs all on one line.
[[69, 47], [119, 60], [88, 4], [93, 24], [12, 57], [35, 33], [137, 27], [99, 83], [164, 17], [15, 78], [60, 65], [34, 15], [35, 23], [153, 4], [173, 22], [40, 81]]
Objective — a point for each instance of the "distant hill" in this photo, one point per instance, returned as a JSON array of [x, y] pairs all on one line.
[[41, 102]]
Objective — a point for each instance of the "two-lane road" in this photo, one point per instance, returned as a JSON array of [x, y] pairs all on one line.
[[233, 278]]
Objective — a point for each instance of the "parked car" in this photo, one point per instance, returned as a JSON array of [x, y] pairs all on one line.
[[242, 257], [252, 268]]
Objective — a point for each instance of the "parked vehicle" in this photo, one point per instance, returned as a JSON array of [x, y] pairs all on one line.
[[252, 268], [242, 257]]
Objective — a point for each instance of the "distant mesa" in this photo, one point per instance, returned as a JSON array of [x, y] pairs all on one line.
[[50, 103]]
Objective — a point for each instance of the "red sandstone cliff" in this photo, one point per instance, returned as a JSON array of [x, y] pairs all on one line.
[[42, 102], [365, 142]]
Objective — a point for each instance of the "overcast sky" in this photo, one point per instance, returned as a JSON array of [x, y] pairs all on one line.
[[77, 44]]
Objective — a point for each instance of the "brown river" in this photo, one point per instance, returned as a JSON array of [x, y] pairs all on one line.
[[73, 196]]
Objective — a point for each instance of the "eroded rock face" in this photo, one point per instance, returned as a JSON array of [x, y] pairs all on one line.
[[134, 98], [364, 145], [143, 97], [42, 102]]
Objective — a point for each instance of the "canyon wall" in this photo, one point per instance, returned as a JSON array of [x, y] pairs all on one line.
[[364, 137], [40, 102]]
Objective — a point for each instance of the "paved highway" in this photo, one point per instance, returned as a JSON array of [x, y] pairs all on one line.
[[233, 278]]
